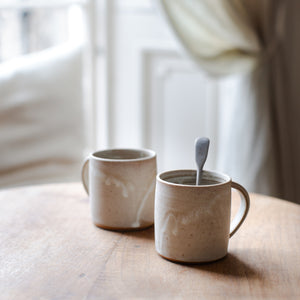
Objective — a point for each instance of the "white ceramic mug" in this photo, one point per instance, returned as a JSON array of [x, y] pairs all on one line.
[[121, 186], [192, 222]]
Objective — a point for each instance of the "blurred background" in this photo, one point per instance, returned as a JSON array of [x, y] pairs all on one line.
[[78, 76]]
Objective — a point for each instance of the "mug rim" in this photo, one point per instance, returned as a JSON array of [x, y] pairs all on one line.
[[148, 154], [189, 172]]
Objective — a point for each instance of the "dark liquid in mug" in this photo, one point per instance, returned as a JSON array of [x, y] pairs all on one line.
[[191, 180]]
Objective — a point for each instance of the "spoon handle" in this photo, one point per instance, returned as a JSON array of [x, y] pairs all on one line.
[[199, 175], [201, 151]]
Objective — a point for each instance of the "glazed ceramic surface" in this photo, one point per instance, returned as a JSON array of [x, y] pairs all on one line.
[[192, 222], [121, 186]]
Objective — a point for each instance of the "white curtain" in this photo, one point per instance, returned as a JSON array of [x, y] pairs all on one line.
[[242, 42]]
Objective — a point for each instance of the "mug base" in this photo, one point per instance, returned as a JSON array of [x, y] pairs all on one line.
[[122, 229], [191, 262]]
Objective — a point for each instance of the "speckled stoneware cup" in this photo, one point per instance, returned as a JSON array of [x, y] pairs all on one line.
[[121, 186], [192, 223]]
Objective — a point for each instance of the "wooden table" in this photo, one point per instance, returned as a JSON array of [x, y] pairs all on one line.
[[49, 249]]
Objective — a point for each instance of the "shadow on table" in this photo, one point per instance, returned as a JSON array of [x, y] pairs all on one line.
[[231, 265], [147, 233]]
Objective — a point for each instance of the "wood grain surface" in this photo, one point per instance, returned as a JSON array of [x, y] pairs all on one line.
[[49, 249]]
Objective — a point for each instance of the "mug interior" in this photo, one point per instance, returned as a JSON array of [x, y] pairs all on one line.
[[188, 177], [124, 154]]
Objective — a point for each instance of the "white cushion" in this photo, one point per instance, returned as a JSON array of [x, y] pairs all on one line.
[[41, 117]]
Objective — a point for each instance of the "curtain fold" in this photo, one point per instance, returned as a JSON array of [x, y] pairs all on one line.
[[240, 41], [220, 35]]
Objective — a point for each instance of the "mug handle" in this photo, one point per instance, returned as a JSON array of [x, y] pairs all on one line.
[[85, 174], [243, 210]]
